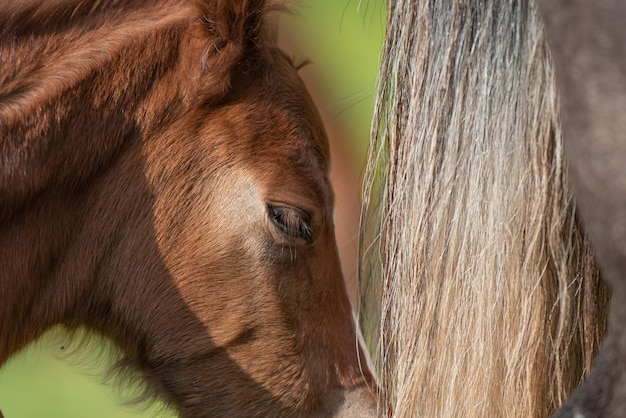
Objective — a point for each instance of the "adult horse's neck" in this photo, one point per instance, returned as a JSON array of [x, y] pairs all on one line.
[[79, 93]]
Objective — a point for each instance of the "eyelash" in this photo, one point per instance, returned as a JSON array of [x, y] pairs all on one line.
[[292, 222]]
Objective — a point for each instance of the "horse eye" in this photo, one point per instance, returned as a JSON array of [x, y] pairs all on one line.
[[292, 222]]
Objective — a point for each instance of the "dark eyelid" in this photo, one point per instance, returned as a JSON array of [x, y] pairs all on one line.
[[292, 222]]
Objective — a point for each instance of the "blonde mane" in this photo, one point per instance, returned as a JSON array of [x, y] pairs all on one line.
[[478, 287]]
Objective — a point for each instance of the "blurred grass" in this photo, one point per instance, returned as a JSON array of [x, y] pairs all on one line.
[[342, 39], [38, 383]]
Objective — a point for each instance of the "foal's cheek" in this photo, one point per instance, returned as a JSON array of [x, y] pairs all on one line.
[[211, 246]]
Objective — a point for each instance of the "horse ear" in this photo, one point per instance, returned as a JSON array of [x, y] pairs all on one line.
[[235, 29]]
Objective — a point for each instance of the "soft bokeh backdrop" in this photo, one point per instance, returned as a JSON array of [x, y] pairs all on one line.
[[342, 40]]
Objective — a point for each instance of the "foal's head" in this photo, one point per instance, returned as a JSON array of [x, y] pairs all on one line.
[[243, 218], [166, 185]]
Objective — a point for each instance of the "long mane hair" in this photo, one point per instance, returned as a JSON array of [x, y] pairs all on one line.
[[479, 293]]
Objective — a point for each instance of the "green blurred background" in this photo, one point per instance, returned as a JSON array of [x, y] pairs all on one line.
[[342, 40]]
